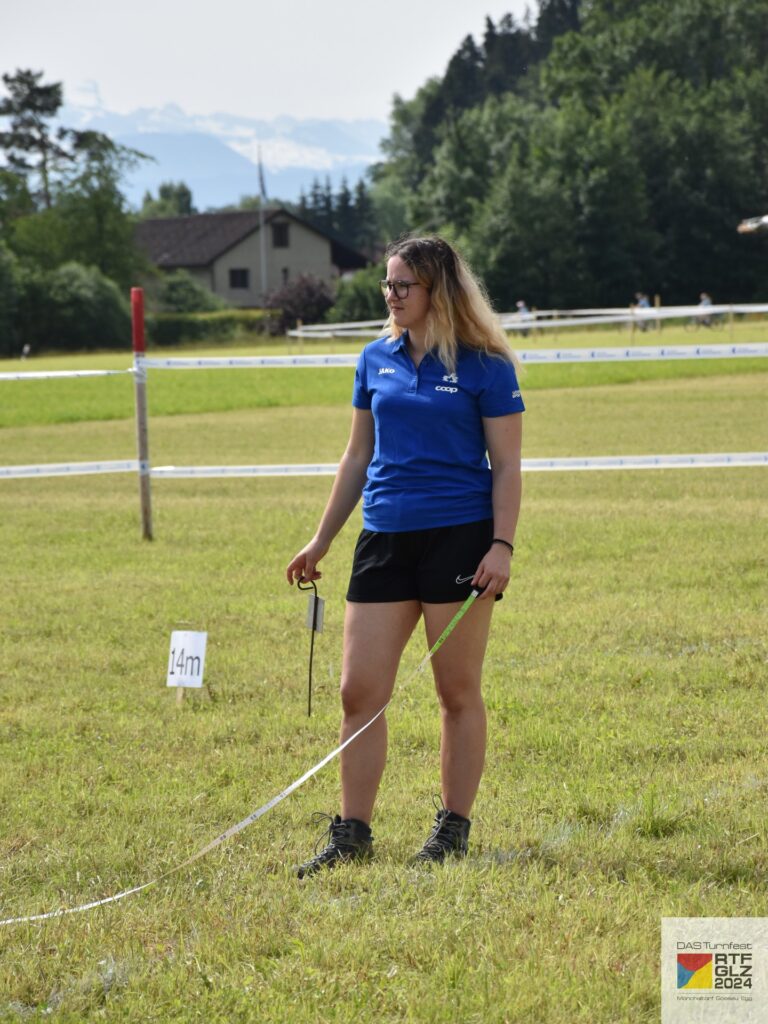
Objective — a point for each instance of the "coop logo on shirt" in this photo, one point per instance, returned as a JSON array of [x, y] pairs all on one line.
[[451, 378]]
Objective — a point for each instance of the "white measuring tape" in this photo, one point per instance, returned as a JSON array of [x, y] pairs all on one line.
[[234, 829]]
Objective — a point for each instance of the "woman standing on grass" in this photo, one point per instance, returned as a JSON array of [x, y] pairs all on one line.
[[430, 399]]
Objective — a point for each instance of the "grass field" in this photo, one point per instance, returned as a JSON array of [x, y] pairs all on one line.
[[626, 682]]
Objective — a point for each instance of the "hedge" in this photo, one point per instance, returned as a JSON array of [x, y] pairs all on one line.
[[222, 325]]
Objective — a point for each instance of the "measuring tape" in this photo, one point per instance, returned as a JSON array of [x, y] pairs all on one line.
[[234, 829]]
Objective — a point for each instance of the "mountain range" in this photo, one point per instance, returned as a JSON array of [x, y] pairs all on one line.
[[217, 155]]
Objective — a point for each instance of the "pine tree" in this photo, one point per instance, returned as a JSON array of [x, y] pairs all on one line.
[[345, 219], [366, 228], [463, 81], [31, 105], [509, 51], [315, 205], [326, 206], [555, 18]]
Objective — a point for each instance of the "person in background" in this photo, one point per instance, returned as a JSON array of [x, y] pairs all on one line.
[[430, 399], [705, 301], [642, 302], [524, 314]]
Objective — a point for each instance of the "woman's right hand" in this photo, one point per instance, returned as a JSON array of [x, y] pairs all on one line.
[[304, 565]]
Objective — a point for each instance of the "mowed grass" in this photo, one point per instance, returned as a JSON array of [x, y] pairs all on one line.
[[695, 414], [172, 393], [627, 772]]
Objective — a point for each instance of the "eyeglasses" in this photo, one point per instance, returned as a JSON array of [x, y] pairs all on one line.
[[400, 288]]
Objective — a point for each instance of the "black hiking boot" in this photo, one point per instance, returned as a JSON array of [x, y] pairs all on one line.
[[349, 839], [449, 838]]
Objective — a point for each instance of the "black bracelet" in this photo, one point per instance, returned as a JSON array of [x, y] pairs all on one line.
[[500, 540]]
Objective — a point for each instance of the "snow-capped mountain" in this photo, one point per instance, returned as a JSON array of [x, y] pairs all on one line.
[[217, 154]]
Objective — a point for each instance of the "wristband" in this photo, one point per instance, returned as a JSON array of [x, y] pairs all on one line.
[[500, 540]]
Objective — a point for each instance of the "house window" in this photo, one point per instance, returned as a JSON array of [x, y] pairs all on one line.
[[280, 236], [286, 275], [239, 277]]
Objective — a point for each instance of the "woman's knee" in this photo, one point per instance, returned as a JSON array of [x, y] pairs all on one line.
[[458, 699], [358, 697]]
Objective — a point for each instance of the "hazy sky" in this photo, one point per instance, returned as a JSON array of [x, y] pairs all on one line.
[[258, 58]]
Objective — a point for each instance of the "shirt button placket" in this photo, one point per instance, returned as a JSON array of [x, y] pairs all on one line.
[[413, 385]]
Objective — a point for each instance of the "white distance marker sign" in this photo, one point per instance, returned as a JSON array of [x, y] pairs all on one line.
[[315, 617], [186, 660]]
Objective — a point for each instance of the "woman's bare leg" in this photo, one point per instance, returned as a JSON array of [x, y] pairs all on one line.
[[374, 638], [457, 668]]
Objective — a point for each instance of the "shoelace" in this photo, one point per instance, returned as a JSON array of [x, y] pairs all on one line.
[[444, 832], [333, 836]]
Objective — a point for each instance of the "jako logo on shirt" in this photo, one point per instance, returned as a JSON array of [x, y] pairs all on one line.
[[451, 391], [385, 369]]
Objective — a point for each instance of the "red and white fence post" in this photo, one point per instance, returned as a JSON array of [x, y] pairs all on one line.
[[142, 426]]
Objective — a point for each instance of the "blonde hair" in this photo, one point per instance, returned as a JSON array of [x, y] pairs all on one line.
[[460, 311]]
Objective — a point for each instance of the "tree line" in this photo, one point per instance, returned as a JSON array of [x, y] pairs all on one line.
[[603, 148], [67, 255], [67, 250], [612, 146], [348, 214]]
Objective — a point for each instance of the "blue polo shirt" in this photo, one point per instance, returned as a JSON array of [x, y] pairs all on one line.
[[429, 465]]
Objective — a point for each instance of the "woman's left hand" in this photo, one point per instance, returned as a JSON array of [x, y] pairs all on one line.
[[493, 572]]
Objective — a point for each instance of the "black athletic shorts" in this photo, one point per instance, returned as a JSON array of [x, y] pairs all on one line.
[[434, 566]]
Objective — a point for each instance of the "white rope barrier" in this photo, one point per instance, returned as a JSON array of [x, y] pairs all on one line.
[[642, 353], [713, 460], [247, 362], [641, 316], [58, 374], [553, 319], [70, 469], [197, 472], [543, 355], [609, 354]]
